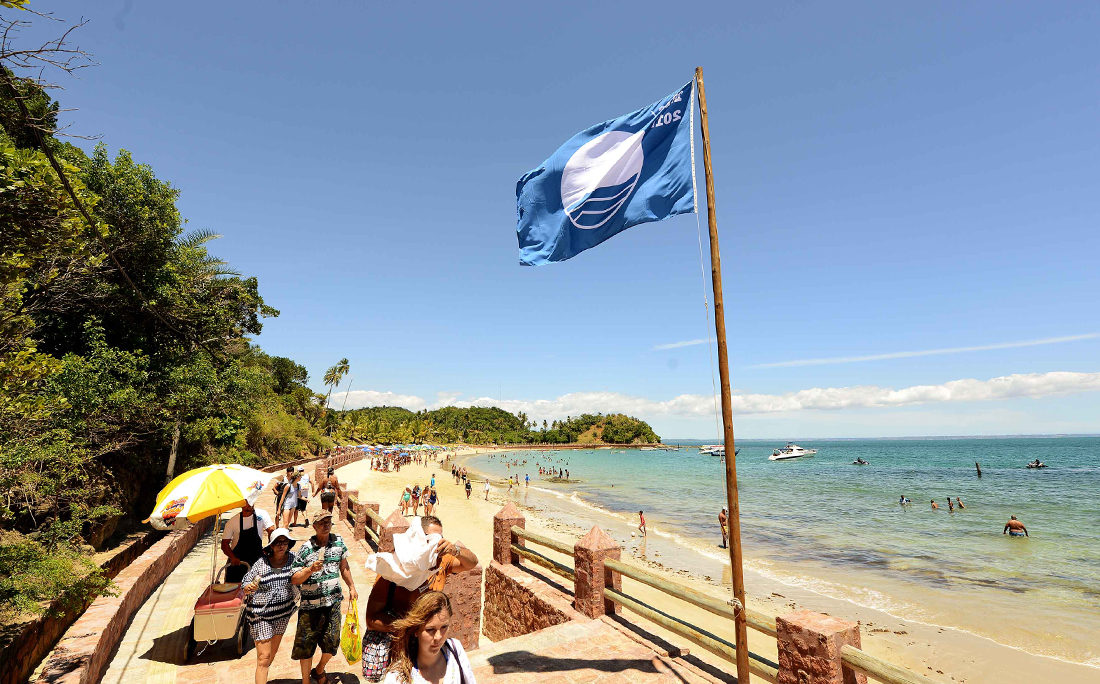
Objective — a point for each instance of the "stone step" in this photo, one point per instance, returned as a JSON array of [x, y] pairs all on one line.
[[539, 641]]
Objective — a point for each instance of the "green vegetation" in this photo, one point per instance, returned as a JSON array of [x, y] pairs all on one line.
[[475, 425], [124, 355]]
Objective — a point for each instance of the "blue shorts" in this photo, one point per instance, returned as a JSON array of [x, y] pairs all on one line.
[[1016, 533]]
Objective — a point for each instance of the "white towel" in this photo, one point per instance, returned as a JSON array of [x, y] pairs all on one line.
[[413, 560]]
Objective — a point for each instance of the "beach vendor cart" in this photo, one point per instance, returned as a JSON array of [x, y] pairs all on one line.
[[194, 496]]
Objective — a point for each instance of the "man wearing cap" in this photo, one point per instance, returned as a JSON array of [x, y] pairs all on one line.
[[318, 567], [241, 541]]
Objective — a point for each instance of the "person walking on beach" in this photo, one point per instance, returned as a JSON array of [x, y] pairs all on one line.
[[318, 568], [723, 522], [1015, 528], [421, 650], [527, 480], [641, 523], [288, 503], [486, 489], [469, 489], [388, 603], [271, 600], [303, 495], [329, 490]]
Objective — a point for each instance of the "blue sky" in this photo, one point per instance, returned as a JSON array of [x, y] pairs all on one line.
[[889, 178]]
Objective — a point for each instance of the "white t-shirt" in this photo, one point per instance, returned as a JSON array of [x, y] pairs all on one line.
[[303, 486], [233, 527], [451, 676]]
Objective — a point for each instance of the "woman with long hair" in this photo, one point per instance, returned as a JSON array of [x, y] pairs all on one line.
[[421, 653]]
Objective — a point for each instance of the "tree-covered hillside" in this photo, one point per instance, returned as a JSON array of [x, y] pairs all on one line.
[[477, 425], [124, 354]]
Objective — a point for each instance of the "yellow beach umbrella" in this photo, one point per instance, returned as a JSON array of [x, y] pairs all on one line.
[[203, 492]]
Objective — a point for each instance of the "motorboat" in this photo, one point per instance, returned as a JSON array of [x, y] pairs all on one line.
[[720, 450], [791, 450], [1037, 464], [860, 461]]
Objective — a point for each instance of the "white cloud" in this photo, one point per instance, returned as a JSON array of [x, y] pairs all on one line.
[[364, 398], [1030, 385], [677, 345], [908, 354]]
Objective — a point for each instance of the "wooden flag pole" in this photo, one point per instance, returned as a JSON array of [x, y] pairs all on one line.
[[741, 641]]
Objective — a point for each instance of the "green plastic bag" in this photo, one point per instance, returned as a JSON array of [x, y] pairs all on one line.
[[351, 641]]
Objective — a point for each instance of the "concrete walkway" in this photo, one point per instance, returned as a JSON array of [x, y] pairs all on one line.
[[578, 653], [151, 650], [605, 651]]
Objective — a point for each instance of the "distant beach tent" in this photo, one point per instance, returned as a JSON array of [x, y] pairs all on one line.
[[617, 174]]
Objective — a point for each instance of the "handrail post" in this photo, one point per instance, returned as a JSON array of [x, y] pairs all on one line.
[[371, 523], [503, 522], [360, 521], [394, 525], [591, 575], [809, 649]]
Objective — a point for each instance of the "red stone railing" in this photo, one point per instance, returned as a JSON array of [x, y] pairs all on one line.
[[813, 648]]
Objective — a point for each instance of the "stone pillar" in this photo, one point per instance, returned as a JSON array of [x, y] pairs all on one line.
[[360, 512], [589, 553], [318, 472], [373, 505], [395, 524], [809, 649], [343, 501], [464, 590], [503, 522]]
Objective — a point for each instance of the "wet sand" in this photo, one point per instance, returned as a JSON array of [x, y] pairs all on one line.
[[942, 654]]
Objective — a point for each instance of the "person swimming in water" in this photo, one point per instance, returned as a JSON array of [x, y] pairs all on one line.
[[959, 503], [1015, 528], [934, 506]]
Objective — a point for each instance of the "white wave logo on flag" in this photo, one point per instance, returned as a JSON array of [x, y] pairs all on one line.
[[599, 177]]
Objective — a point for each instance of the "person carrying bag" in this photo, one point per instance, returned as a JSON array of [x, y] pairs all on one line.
[[351, 643]]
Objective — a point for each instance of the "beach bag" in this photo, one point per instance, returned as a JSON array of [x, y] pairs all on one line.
[[350, 642], [376, 647]]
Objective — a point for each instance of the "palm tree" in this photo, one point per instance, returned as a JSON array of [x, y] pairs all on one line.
[[332, 378]]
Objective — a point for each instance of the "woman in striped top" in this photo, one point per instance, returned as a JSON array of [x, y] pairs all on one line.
[[272, 599]]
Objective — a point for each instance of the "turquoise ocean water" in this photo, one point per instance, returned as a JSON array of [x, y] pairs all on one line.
[[835, 528]]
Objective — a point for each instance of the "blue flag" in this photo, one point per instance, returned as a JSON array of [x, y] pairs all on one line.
[[614, 175]]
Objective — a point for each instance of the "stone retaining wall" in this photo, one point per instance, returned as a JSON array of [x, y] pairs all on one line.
[[518, 603], [83, 653], [23, 653], [464, 591]]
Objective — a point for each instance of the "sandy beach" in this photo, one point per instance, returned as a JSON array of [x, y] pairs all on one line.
[[942, 654]]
